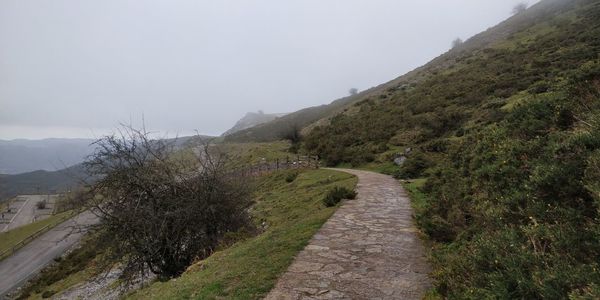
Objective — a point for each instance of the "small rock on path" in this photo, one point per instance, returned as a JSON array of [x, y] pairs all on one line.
[[369, 249]]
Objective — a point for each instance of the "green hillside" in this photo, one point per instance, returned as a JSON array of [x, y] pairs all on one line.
[[507, 130], [465, 93], [276, 129], [311, 117], [251, 119]]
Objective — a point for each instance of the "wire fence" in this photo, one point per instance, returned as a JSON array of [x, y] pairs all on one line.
[[267, 166]]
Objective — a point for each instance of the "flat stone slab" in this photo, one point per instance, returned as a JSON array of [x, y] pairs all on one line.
[[369, 249]]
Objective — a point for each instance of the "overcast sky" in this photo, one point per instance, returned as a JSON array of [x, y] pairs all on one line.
[[76, 68]]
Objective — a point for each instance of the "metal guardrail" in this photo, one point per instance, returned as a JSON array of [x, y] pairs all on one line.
[[10, 251]]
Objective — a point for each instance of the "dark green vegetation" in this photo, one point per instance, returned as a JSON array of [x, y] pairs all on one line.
[[506, 128], [417, 197], [291, 176], [337, 194], [462, 91], [291, 214]]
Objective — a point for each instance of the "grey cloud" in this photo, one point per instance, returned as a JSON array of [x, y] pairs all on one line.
[[188, 65]]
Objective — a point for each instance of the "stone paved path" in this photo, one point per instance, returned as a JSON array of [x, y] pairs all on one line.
[[369, 249]]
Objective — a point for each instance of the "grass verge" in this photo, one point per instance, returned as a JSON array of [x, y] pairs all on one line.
[[417, 197], [418, 201], [244, 154], [249, 269]]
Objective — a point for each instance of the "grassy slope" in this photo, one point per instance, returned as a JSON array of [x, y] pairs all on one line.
[[276, 129], [462, 90], [249, 269], [251, 119], [253, 153], [417, 197], [12, 237], [507, 131], [311, 117]]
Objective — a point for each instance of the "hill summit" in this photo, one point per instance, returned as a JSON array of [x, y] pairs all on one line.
[[252, 119]]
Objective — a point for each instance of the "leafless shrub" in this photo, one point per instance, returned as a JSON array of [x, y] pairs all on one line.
[[40, 204], [163, 210]]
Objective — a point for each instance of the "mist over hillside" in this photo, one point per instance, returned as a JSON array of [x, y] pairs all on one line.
[[252, 119]]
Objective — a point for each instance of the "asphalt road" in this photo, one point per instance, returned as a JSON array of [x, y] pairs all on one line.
[[8, 216], [27, 261]]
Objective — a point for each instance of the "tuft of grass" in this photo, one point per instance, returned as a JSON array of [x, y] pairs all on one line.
[[291, 177], [337, 194], [249, 269], [417, 197], [419, 201]]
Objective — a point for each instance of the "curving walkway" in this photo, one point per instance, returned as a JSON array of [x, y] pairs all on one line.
[[369, 249]]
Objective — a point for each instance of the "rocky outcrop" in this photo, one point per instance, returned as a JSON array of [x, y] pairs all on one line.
[[252, 119]]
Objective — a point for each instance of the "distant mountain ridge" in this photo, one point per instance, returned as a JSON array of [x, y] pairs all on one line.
[[252, 119], [62, 176], [21, 155], [41, 182]]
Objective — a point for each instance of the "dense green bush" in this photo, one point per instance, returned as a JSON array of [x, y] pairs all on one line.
[[516, 206], [290, 177], [414, 166], [337, 194]]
